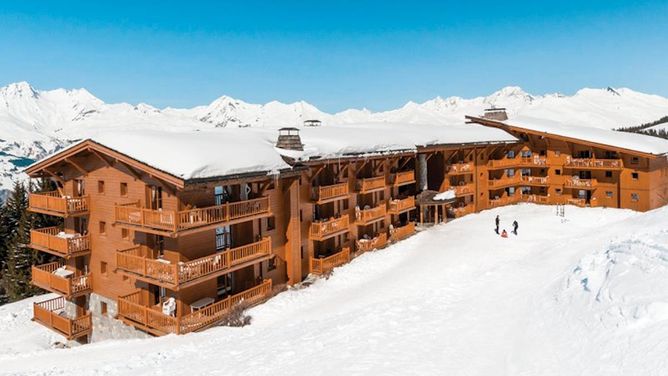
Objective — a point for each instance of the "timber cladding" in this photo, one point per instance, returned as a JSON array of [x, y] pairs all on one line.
[[206, 245]]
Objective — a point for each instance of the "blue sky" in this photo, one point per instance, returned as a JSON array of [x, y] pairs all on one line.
[[335, 55]]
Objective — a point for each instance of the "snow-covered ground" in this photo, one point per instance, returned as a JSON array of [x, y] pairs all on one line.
[[580, 295]]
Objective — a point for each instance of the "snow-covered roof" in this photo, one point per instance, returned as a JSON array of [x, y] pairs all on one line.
[[373, 138], [624, 140], [229, 151]]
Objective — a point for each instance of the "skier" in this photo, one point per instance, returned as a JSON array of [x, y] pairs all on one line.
[[497, 221], [504, 234], [515, 226]]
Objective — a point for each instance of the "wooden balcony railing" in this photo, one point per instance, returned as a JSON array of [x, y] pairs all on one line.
[[593, 163], [505, 181], [581, 202], [59, 242], [367, 216], [534, 161], [398, 233], [464, 190], [138, 262], [463, 210], [403, 178], [331, 227], [461, 168], [332, 192], [580, 183], [173, 221], [366, 245], [326, 264], [371, 184], [504, 163], [54, 203], [537, 199], [535, 180], [56, 278], [507, 200], [398, 206], [134, 309], [50, 313]]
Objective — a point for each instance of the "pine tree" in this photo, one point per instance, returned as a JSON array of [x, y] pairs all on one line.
[[18, 257]]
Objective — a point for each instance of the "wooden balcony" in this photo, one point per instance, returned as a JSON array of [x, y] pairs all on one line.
[[507, 200], [331, 193], [504, 163], [404, 178], [463, 210], [535, 180], [464, 190], [332, 227], [137, 262], [399, 233], [506, 181], [536, 199], [366, 245], [581, 202], [460, 168], [62, 243], [398, 206], [134, 310], [368, 216], [171, 222], [575, 183], [534, 161], [51, 313], [325, 264], [594, 164], [371, 184], [55, 277], [53, 203]]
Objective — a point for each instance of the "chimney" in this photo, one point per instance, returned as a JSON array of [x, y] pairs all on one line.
[[494, 113], [288, 138], [312, 123]]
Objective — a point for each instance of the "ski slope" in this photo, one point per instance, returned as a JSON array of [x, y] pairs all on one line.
[[580, 295]]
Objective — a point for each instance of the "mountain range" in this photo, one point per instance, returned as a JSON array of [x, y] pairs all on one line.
[[35, 122]]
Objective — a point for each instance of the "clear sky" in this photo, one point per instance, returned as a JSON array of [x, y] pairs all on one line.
[[336, 54]]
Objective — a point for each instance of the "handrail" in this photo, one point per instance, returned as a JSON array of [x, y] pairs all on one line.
[[402, 232], [594, 163], [46, 313], [327, 192], [370, 184], [543, 180], [371, 214], [460, 167], [365, 245], [136, 260], [404, 177], [54, 203], [325, 264], [399, 205], [580, 183], [329, 227], [66, 245], [42, 276], [506, 180], [171, 220]]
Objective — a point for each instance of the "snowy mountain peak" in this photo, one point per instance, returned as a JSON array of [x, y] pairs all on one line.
[[509, 93], [18, 89]]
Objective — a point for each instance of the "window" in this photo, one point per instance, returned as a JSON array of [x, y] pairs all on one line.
[[125, 233], [635, 160], [103, 308], [103, 268], [608, 194], [346, 204], [558, 190], [608, 174], [557, 152], [635, 197], [634, 175], [100, 186], [557, 172], [223, 238], [103, 228], [510, 172], [271, 264], [271, 223], [124, 189], [510, 154]]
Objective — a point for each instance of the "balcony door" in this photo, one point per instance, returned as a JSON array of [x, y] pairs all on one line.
[[154, 197], [79, 188], [223, 238], [221, 194]]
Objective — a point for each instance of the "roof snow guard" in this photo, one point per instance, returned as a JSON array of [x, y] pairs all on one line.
[[494, 113]]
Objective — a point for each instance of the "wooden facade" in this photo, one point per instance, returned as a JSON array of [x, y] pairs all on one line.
[[177, 255]]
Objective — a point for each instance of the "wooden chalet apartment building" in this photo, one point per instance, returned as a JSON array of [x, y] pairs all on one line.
[[169, 238]]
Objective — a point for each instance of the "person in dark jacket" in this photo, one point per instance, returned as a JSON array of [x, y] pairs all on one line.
[[497, 221], [515, 227]]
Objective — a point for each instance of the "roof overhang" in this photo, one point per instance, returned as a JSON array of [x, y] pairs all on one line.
[[513, 128]]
